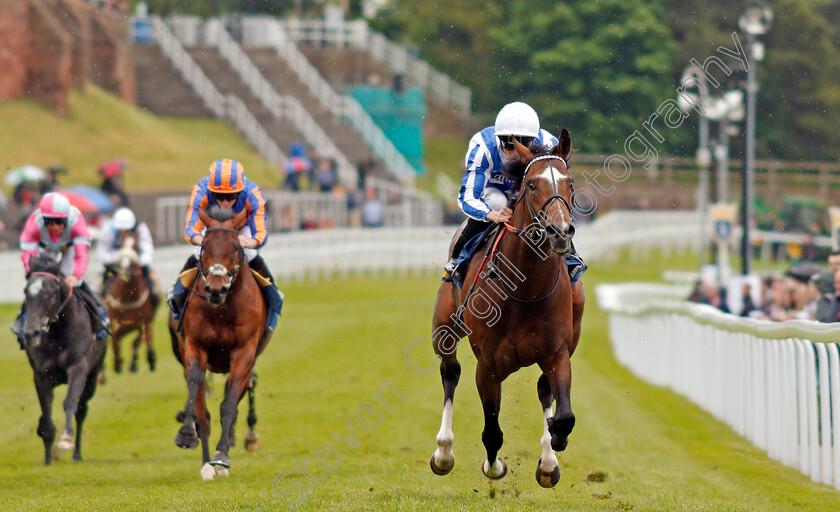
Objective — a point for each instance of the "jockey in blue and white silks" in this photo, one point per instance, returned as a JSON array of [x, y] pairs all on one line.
[[484, 163], [486, 189]]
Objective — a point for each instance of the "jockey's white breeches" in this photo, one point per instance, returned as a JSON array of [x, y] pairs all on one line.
[[244, 231], [494, 198]]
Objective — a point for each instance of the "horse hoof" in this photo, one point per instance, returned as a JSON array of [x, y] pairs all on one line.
[[186, 438], [558, 445], [252, 441], [548, 480], [133, 367], [66, 442], [77, 457], [220, 463], [179, 416], [207, 472], [117, 366], [438, 470], [496, 471]]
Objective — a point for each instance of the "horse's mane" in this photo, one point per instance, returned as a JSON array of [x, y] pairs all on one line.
[[516, 168], [220, 214], [45, 263]]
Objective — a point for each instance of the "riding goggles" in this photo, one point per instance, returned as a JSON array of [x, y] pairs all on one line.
[[507, 141], [55, 220], [226, 197]]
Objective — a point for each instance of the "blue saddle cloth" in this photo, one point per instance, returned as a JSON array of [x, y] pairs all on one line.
[[462, 263]]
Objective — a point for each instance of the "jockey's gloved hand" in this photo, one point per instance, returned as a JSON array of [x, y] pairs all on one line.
[[247, 243], [72, 281]]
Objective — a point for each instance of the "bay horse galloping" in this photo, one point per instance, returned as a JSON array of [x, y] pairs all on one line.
[[223, 330], [131, 305], [62, 349], [518, 309]]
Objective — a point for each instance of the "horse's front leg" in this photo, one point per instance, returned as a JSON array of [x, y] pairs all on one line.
[[115, 344], [194, 367], [76, 381], [445, 337], [490, 393], [151, 357], [558, 373], [548, 468], [46, 427], [241, 364]]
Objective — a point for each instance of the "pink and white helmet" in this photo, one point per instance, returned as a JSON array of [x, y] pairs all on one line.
[[55, 205]]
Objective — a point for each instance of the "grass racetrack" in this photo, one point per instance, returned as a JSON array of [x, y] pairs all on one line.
[[635, 447]]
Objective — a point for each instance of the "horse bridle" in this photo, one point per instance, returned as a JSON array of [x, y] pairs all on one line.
[[538, 216], [219, 270], [53, 319]]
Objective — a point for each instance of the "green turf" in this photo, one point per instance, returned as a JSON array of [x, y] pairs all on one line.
[[166, 153], [635, 447]]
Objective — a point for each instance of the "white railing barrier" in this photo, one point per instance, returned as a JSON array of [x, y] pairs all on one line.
[[358, 34], [776, 383], [273, 35], [229, 108], [281, 106]]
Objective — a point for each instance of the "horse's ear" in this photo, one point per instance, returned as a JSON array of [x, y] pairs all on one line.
[[524, 153], [204, 216], [240, 218], [564, 147]]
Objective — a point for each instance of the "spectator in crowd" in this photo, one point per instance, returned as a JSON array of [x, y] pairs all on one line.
[[698, 293], [833, 313], [834, 262], [766, 296], [782, 299], [748, 306], [804, 301], [373, 213], [325, 175], [112, 180], [298, 166], [823, 282], [51, 181], [809, 249], [364, 169]]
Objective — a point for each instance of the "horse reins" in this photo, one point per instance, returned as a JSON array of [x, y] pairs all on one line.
[[63, 304], [536, 217]]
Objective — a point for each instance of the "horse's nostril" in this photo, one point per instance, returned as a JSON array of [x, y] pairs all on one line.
[[570, 231], [224, 289]]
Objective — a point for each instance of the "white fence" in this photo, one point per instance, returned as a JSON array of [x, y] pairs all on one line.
[[398, 58], [775, 383]]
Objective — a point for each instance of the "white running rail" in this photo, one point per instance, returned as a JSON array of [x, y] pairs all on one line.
[[229, 108], [776, 383], [281, 106]]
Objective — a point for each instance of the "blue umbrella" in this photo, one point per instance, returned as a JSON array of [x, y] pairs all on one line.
[[96, 196]]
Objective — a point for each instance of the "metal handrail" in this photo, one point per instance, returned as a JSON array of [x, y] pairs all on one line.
[[342, 107], [230, 108], [281, 106]]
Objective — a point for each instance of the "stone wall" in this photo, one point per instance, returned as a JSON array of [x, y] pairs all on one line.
[[13, 44], [49, 46]]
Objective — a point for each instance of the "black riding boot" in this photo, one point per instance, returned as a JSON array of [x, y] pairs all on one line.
[[272, 296], [152, 281], [99, 319], [472, 228], [109, 273], [177, 295]]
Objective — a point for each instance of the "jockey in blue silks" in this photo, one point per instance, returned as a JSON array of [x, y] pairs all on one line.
[[227, 186], [486, 189]]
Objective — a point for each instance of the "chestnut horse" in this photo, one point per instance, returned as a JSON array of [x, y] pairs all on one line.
[[518, 309], [223, 324], [131, 305]]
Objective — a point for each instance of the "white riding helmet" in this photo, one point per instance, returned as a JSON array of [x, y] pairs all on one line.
[[518, 119], [124, 219]]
